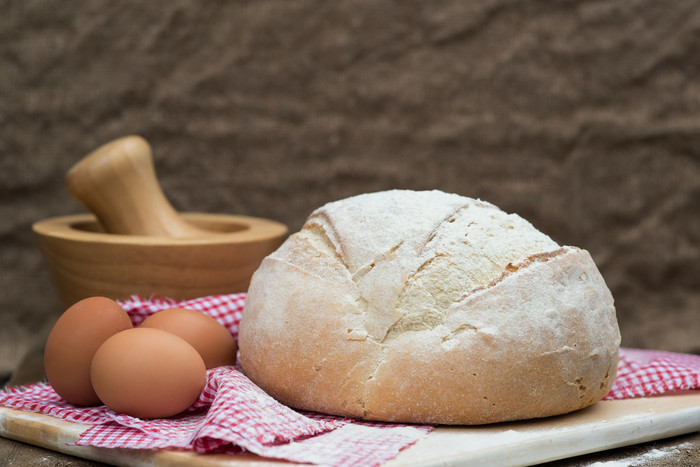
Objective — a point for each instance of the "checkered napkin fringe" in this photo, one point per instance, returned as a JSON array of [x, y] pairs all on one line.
[[233, 415]]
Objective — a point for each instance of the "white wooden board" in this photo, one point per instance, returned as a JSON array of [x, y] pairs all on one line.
[[606, 425]]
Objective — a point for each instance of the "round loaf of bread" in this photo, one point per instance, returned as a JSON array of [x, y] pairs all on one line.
[[428, 307]]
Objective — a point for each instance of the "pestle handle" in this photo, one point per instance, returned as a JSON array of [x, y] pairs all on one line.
[[118, 183]]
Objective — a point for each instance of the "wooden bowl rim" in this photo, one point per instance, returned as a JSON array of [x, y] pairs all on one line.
[[255, 229]]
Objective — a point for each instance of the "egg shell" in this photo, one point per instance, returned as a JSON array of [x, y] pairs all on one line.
[[147, 373], [73, 341], [211, 339]]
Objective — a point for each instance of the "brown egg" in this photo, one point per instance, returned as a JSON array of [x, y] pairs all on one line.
[[211, 339], [147, 373], [73, 341]]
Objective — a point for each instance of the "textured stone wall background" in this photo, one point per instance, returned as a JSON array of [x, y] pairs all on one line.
[[581, 116]]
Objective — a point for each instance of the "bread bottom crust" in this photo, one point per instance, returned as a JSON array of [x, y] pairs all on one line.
[[542, 340]]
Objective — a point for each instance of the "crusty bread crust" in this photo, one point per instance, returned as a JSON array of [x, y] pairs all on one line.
[[328, 324]]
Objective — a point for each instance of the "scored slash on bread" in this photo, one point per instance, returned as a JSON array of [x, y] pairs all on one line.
[[428, 307]]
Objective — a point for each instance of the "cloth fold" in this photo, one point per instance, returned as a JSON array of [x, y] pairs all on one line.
[[232, 414]]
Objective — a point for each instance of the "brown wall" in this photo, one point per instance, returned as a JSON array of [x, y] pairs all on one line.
[[583, 117]]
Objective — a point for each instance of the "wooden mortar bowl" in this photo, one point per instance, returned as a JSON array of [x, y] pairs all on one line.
[[85, 261], [135, 243]]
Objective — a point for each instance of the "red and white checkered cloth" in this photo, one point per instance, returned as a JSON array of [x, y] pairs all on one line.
[[649, 372], [232, 414]]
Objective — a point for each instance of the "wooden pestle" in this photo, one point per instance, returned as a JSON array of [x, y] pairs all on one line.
[[118, 183]]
